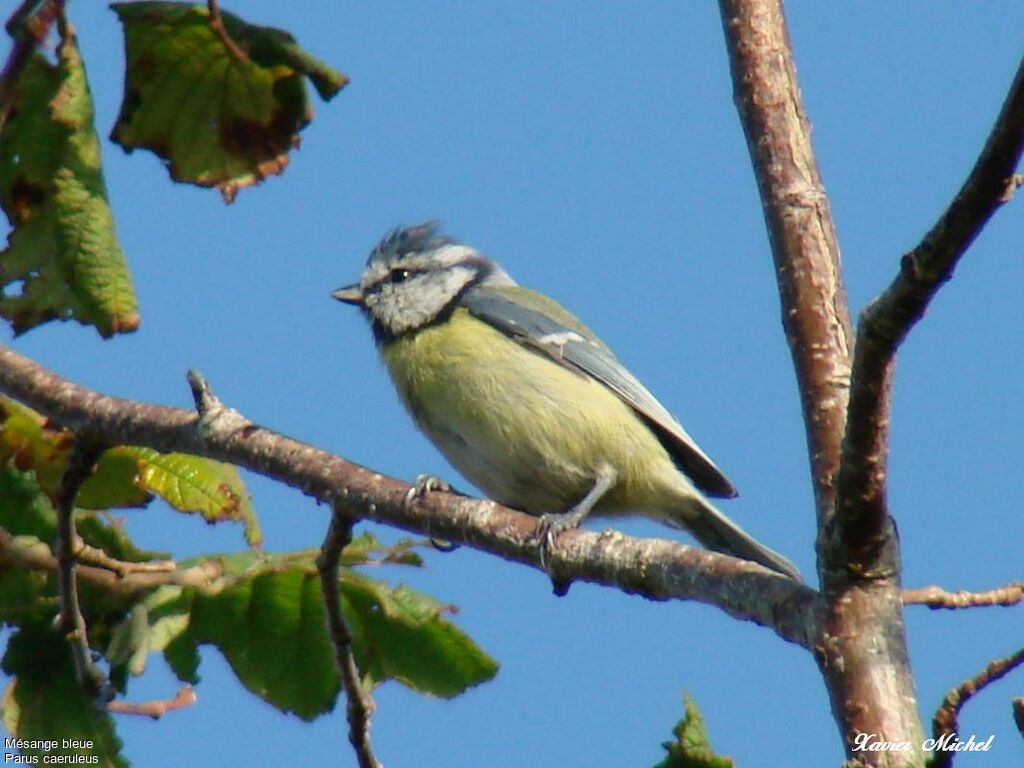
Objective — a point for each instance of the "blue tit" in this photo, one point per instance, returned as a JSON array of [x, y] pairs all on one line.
[[527, 403]]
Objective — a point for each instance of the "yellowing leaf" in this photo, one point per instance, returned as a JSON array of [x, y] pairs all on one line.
[[196, 484], [220, 117], [33, 443], [62, 259], [126, 476]]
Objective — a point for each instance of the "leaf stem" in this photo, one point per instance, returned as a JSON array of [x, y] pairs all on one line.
[[217, 25]]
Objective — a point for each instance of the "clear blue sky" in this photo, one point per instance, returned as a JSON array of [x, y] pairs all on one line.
[[593, 149]]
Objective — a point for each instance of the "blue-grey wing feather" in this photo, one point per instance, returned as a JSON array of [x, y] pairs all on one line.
[[575, 347]]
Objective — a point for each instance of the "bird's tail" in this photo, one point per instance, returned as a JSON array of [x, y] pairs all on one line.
[[717, 532]]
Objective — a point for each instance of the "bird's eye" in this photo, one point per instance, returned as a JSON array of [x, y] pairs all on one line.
[[399, 275]]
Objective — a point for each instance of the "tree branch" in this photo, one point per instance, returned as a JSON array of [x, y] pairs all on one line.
[[656, 569], [70, 622], [360, 705], [862, 529], [185, 697], [31, 554], [815, 314], [946, 721], [936, 597], [861, 645]]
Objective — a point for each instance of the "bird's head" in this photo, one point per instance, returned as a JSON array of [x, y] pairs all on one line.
[[415, 277]]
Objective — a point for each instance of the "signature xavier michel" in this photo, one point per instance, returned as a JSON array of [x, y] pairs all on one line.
[[950, 742]]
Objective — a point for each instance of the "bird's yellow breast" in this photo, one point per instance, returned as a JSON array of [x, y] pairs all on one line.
[[528, 431]]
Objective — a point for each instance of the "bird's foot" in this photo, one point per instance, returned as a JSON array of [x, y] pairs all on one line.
[[551, 525], [422, 485]]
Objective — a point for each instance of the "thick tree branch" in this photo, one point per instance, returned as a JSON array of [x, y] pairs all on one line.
[[862, 530], [815, 314], [656, 569], [936, 597], [861, 645], [946, 721], [359, 704]]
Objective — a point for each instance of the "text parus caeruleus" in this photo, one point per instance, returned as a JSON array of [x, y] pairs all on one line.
[[527, 403]]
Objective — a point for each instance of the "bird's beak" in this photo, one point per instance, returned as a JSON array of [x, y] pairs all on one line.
[[350, 294]]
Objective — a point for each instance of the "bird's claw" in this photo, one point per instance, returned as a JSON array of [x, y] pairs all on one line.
[[422, 485], [548, 527]]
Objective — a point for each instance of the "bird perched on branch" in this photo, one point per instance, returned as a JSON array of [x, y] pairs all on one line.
[[527, 403]]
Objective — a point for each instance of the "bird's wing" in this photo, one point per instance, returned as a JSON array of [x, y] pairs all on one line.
[[544, 326]]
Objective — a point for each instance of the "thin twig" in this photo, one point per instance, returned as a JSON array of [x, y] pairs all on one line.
[[185, 697], [938, 598], [360, 705], [33, 555], [217, 25], [863, 531], [28, 28], [946, 720], [1018, 713], [653, 568], [70, 621], [85, 553]]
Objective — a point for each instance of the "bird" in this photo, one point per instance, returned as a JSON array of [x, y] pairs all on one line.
[[527, 403]]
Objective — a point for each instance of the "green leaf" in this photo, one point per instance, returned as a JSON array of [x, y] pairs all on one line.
[[196, 484], [271, 630], [27, 511], [218, 118], [115, 482], [401, 634], [34, 442], [265, 614], [62, 260], [47, 707], [126, 476], [692, 748], [23, 597]]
